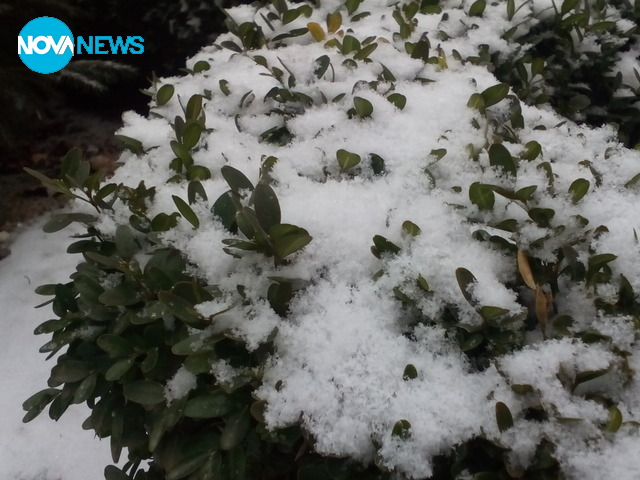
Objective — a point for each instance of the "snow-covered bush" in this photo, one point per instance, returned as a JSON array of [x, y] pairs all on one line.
[[341, 248]]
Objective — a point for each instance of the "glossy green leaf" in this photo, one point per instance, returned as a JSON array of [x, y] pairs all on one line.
[[118, 369], [495, 94], [131, 144], [500, 157], [121, 295], [350, 44], [235, 429], [532, 150], [288, 244], [472, 341], [482, 195], [363, 107], [125, 242], [114, 345], [266, 206], [236, 179], [347, 160], [145, 392], [614, 422], [410, 372], [165, 92], [402, 429], [194, 107], [399, 100], [410, 228], [466, 282], [186, 211], [383, 245], [477, 8], [69, 371], [579, 189], [211, 405], [503, 416], [191, 134], [321, 65]]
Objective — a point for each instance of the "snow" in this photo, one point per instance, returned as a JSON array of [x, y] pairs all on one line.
[[42, 449], [341, 351]]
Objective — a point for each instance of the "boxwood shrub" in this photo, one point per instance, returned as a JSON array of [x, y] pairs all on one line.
[[342, 246]]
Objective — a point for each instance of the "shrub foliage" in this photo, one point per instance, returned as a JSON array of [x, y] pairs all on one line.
[[143, 333]]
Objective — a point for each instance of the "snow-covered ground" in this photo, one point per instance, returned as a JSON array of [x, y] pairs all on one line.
[[41, 449]]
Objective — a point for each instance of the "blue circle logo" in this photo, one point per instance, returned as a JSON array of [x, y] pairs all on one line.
[[45, 45]]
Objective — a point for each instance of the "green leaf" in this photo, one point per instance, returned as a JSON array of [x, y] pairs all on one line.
[[490, 313], [579, 189], [524, 194], [579, 102], [235, 429], [194, 190], [212, 405], [521, 388], [236, 179], [364, 53], [112, 472], [401, 429], [363, 107], [181, 152], [466, 282], [495, 94], [114, 345], [85, 389], [410, 228], [598, 261], [180, 307], [197, 343], [131, 144], [61, 220], [383, 246], [69, 371], [477, 8], [499, 156], [145, 392], [186, 211], [633, 181], [476, 101], [482, 195], [542, 216], [410, 372], [224, 87], [511, 9], [191, 134], [346, 159], [350, 44], [334, 22], [321, 65], [589, 375], [377, 164], [471, 342], [118, 369], [568, 5], [165, 92], [615, 419], [201, 66], [225, 209], [421, 49], [399, 100], [121, 295], [503, 417], [198, 172], [266, 206], [187, 465], [41, 398], [194, 107], [288, 239], [125, 242]]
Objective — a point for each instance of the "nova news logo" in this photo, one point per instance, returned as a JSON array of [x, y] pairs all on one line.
[[46, 45]]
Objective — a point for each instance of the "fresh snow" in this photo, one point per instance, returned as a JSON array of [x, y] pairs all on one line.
[[42, 449]]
